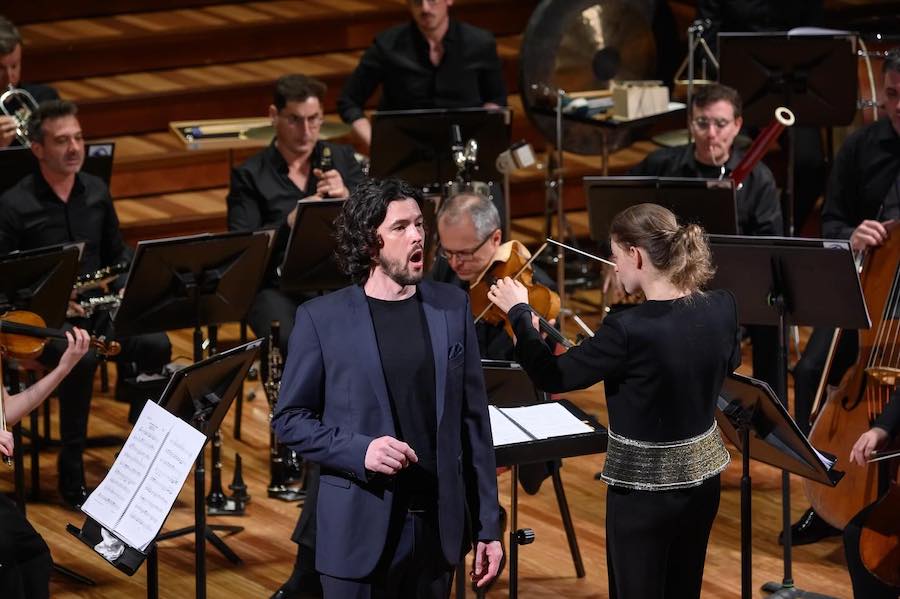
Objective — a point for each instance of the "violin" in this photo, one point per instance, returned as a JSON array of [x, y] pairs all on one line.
[[24, 334], [512, 259]]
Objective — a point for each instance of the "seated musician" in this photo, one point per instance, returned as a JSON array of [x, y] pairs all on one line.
[[25, 561], [11, 75], [59, 204], [886, 427], [715, 122], [431, 62], [862, 203], [264, 193]]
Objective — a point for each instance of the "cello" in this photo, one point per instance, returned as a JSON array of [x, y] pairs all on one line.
[[863, 391]]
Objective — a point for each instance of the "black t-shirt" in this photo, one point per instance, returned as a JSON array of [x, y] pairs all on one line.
[[408, 364]]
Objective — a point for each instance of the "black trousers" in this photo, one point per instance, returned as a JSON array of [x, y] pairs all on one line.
[[808, 370], [656, 540], [865, 586], [305, 530], [412, 565], [25, 562], [141, 353]]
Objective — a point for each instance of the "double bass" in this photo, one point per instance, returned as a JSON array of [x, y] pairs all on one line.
[[860, 397]]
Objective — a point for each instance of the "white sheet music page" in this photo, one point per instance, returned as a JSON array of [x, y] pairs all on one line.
[[503, 430], [546, 420], [154, 498], [136, 496], [110, 499]]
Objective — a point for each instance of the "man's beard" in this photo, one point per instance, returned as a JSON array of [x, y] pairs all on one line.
[[399, 272]]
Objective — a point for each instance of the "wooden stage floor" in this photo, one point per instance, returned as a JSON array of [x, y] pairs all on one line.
[[545, 569]]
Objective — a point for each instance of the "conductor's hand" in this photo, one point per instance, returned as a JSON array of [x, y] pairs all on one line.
[[6, 443], [868, 442], [387, 455], [79, 343], [506, 293], [869, 233], [487, 562], [7, 130], [331, 184]]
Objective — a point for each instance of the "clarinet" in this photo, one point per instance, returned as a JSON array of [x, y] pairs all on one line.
[[278, 483]]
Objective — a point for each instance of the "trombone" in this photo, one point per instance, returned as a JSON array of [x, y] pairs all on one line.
[[21, 106]]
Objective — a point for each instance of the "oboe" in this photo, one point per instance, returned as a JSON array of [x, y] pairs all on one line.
[[278, 487]]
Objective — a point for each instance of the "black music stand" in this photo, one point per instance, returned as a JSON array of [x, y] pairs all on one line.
[[309, 264], [708, 202], [787, 281], [18, 162], [751, 416], [191, 282], [415, 144], [509, 386], [200, 395], [814, 75]]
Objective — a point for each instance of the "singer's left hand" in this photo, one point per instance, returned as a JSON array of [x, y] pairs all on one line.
[[331, 184]]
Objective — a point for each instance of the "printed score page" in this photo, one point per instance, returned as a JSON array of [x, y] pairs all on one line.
[[546, 420]]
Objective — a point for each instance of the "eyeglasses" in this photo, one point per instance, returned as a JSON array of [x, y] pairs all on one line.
[[313, 122], [464, 255], [704, 123]]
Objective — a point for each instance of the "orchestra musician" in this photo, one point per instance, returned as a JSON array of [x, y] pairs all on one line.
[[263, 194], [663, 363], [11, 75], [59, 204], [862, 202], [431, 62], [715, 122], [886, 427], [25, 560], [383, 389]]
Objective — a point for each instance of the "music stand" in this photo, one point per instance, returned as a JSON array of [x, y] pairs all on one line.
[[18, 162], [754, 420], [708, 202], [508, 385], [787, 281], [415, 144], [309, 264], [814, 75], [191, 282], [200, 395]]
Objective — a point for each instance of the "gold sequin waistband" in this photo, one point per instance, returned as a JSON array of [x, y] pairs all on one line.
[[649, 466]]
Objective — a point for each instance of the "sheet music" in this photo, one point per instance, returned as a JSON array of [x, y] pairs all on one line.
[[136, 496], [547, 420], [503, 430]]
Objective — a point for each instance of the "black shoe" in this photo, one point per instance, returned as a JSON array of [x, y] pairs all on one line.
[[303, 586], [74, 497], [284, 593], [809, 529]]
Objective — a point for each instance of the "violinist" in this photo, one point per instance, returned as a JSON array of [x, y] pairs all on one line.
[[25, 561], [886, 427], [59, 204], [663, 363], [862, 204]]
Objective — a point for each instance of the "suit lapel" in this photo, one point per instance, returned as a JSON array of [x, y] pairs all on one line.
[[367, 347], [437, 330]]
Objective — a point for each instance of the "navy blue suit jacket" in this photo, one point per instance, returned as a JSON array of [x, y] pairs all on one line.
[[334, 402]]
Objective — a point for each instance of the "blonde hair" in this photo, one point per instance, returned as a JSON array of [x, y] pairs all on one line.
[[681, 252]]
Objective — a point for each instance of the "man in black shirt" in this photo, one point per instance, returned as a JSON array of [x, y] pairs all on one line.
[[58, 204], [862, 204], [383, 388], [431, 62], [264, 193], [11, 74], [715, 122]]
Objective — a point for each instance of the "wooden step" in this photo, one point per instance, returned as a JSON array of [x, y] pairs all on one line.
[[149, 101], [184, 37], [35, 11]]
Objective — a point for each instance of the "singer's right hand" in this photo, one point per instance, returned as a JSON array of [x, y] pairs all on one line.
[[6, 443], [387, 455]]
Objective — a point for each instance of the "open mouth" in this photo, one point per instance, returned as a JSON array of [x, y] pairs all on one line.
[[417, 257]]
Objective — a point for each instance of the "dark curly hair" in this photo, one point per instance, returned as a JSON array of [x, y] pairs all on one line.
[[360, 217]]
